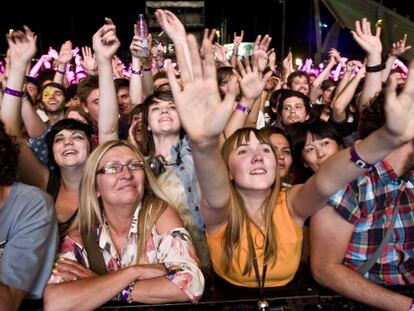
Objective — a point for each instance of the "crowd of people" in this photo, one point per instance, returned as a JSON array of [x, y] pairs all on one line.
[[156, 182]]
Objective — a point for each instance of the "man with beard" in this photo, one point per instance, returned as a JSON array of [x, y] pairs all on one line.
[[349, 231]]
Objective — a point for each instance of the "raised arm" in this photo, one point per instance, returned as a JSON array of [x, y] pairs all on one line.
[[135, 82], [220, 53], [175, 30], [372, 46], [343, 82], [105, 45], [397, 49], [252, 83], [341, 101], [237, 40], [22, 47], [204, 117], [65, 56], [334, 58], [287, 66], [117, 67], [89, 60], [306, 199], [33, 124]]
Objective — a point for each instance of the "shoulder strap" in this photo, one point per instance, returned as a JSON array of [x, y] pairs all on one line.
[[370, 262], [95, 257], [53, 185]]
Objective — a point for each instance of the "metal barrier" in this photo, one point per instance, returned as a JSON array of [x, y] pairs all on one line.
[[289, 298]]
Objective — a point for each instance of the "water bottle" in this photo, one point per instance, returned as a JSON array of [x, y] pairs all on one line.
[[142, 31]]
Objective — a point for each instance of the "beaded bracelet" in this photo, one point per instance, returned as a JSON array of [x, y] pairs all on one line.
[[147, 69], [126, 293], [13, 92], [357, 159], [60, 71], [136, 72]]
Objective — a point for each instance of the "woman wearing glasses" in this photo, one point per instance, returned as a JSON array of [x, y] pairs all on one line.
[[127, 243], [141, 250]]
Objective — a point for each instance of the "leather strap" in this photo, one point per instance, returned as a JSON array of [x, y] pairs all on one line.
[[95, 257]]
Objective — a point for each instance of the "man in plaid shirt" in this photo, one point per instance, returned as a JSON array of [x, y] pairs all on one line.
[[347, 232]]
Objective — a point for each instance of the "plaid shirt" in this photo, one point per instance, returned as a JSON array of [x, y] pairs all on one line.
[[367, 203]]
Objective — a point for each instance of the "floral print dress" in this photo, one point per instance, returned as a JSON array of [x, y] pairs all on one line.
[[173, 248]]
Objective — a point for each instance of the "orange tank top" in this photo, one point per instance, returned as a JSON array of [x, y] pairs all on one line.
[[289, 238]]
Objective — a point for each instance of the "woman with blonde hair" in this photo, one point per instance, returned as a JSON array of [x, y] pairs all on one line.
[[127, 232]]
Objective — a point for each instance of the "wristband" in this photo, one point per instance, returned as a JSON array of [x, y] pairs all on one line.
[[60, 71], [357, 159], [13, 92], [375, 68], [136, 72], [411, 306], [147, 69], [126, 293], [242, 108]]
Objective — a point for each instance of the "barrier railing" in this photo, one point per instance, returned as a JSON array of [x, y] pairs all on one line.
[[292, 298]]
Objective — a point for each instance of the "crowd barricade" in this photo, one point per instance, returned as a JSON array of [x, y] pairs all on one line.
[[289, 298]]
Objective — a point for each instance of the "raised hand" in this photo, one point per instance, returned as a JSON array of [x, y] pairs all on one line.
[[400, 109], [400, 47], [220, 53], [272, 60], [202, 112], [52, 53], [336, 56], [65, 53], [260, 51], [365, 39], [117, 67], [105, 42], [88, 59], [172, 26], [22, 46], [237, 40], [252, 82]]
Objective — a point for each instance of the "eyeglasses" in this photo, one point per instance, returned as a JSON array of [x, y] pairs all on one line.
[[117, 167]]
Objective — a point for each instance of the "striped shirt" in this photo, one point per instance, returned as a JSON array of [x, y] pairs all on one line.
[[367, 203]]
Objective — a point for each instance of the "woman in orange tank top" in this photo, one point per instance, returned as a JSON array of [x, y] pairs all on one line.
[[245, 213]]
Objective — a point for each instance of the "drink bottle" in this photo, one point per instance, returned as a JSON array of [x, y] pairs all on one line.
[[142, 31]]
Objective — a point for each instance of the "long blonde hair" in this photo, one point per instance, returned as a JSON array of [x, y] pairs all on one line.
[[238, 217], [89, 215]]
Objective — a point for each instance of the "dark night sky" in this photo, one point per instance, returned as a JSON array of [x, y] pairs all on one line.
[[54, 26]]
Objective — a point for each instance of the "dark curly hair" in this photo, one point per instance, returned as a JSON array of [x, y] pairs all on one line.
[[373, 116], [9, 153]]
